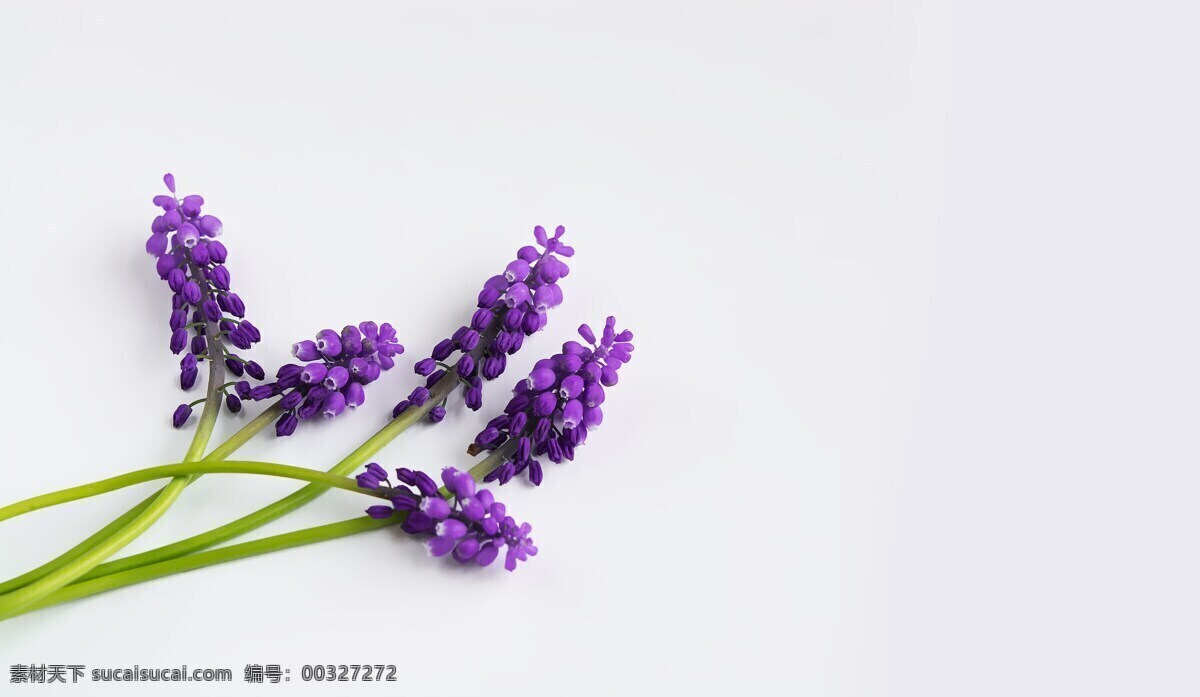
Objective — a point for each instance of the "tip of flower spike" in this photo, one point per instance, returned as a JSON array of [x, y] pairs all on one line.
[[169, 180]]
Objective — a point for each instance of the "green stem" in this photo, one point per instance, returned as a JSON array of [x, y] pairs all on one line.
[[198, 560], [355, 460], [180, 470], [222, 451], [83, 589], [87, 560]]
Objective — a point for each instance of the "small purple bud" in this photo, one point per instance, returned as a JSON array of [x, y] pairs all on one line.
[[469, 340], [425, 366], [333, 405], [191, 205], [380, 512], [313, 373], [480, 320], [512, 319], [443, 350], [188, 236], [234, 304], [417, 523], [286, 425], [169, 180], [592, 417], [516, 271], [219, 276], [235, 367], [434, 377], [306, 351], [251, 331], [528, 253], [424, 484], [199, 344], [535, 473], [200, 254], [435, 506], [291, 400], [355, 395], [336, 378], [533, 322], [593, 395], [572, 414], [437, 413], [544, 404], [517, 423], [329, 343], [400, 408], [179, 339], [156, 244], [187, 378], [182, 413], [547, 297], [541, 379], [439, 546], [243, 389], [608, 376], [211, 311], [238, 338], [191, 292], [466, 550], [351, 340], [211, 225], [255, 370], [172, 219], [466, 366], [473, 398], [541, 431], [518, 293], [419, 396], [486, 436], [261, 392], [233, 403], [451, 529], [571, 387], [216, 251], [487, 554], [179, 318], [487, 297]]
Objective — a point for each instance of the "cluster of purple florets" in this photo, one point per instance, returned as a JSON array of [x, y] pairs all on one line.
[[468, 524], [337, 366], [518, 299], [203, 308], [553, 409]]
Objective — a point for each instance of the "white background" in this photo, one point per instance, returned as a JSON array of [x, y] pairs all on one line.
[[913, 409]]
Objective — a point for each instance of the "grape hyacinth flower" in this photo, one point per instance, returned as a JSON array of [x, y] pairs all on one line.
[[205, 313], [468, 524], [511, 306], [336, 368], [553, 409]]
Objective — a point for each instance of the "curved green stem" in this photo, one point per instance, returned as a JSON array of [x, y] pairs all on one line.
[[88, 560], [221, 452], [181, 470], [84, 588], [355, 460]]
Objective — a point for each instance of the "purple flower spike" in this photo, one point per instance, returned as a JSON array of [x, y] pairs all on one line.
[[553, 409], [469, 524], [511, 306], [203, 308], [337, 368]]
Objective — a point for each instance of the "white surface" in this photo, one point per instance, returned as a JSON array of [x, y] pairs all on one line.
[[913, 408]]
